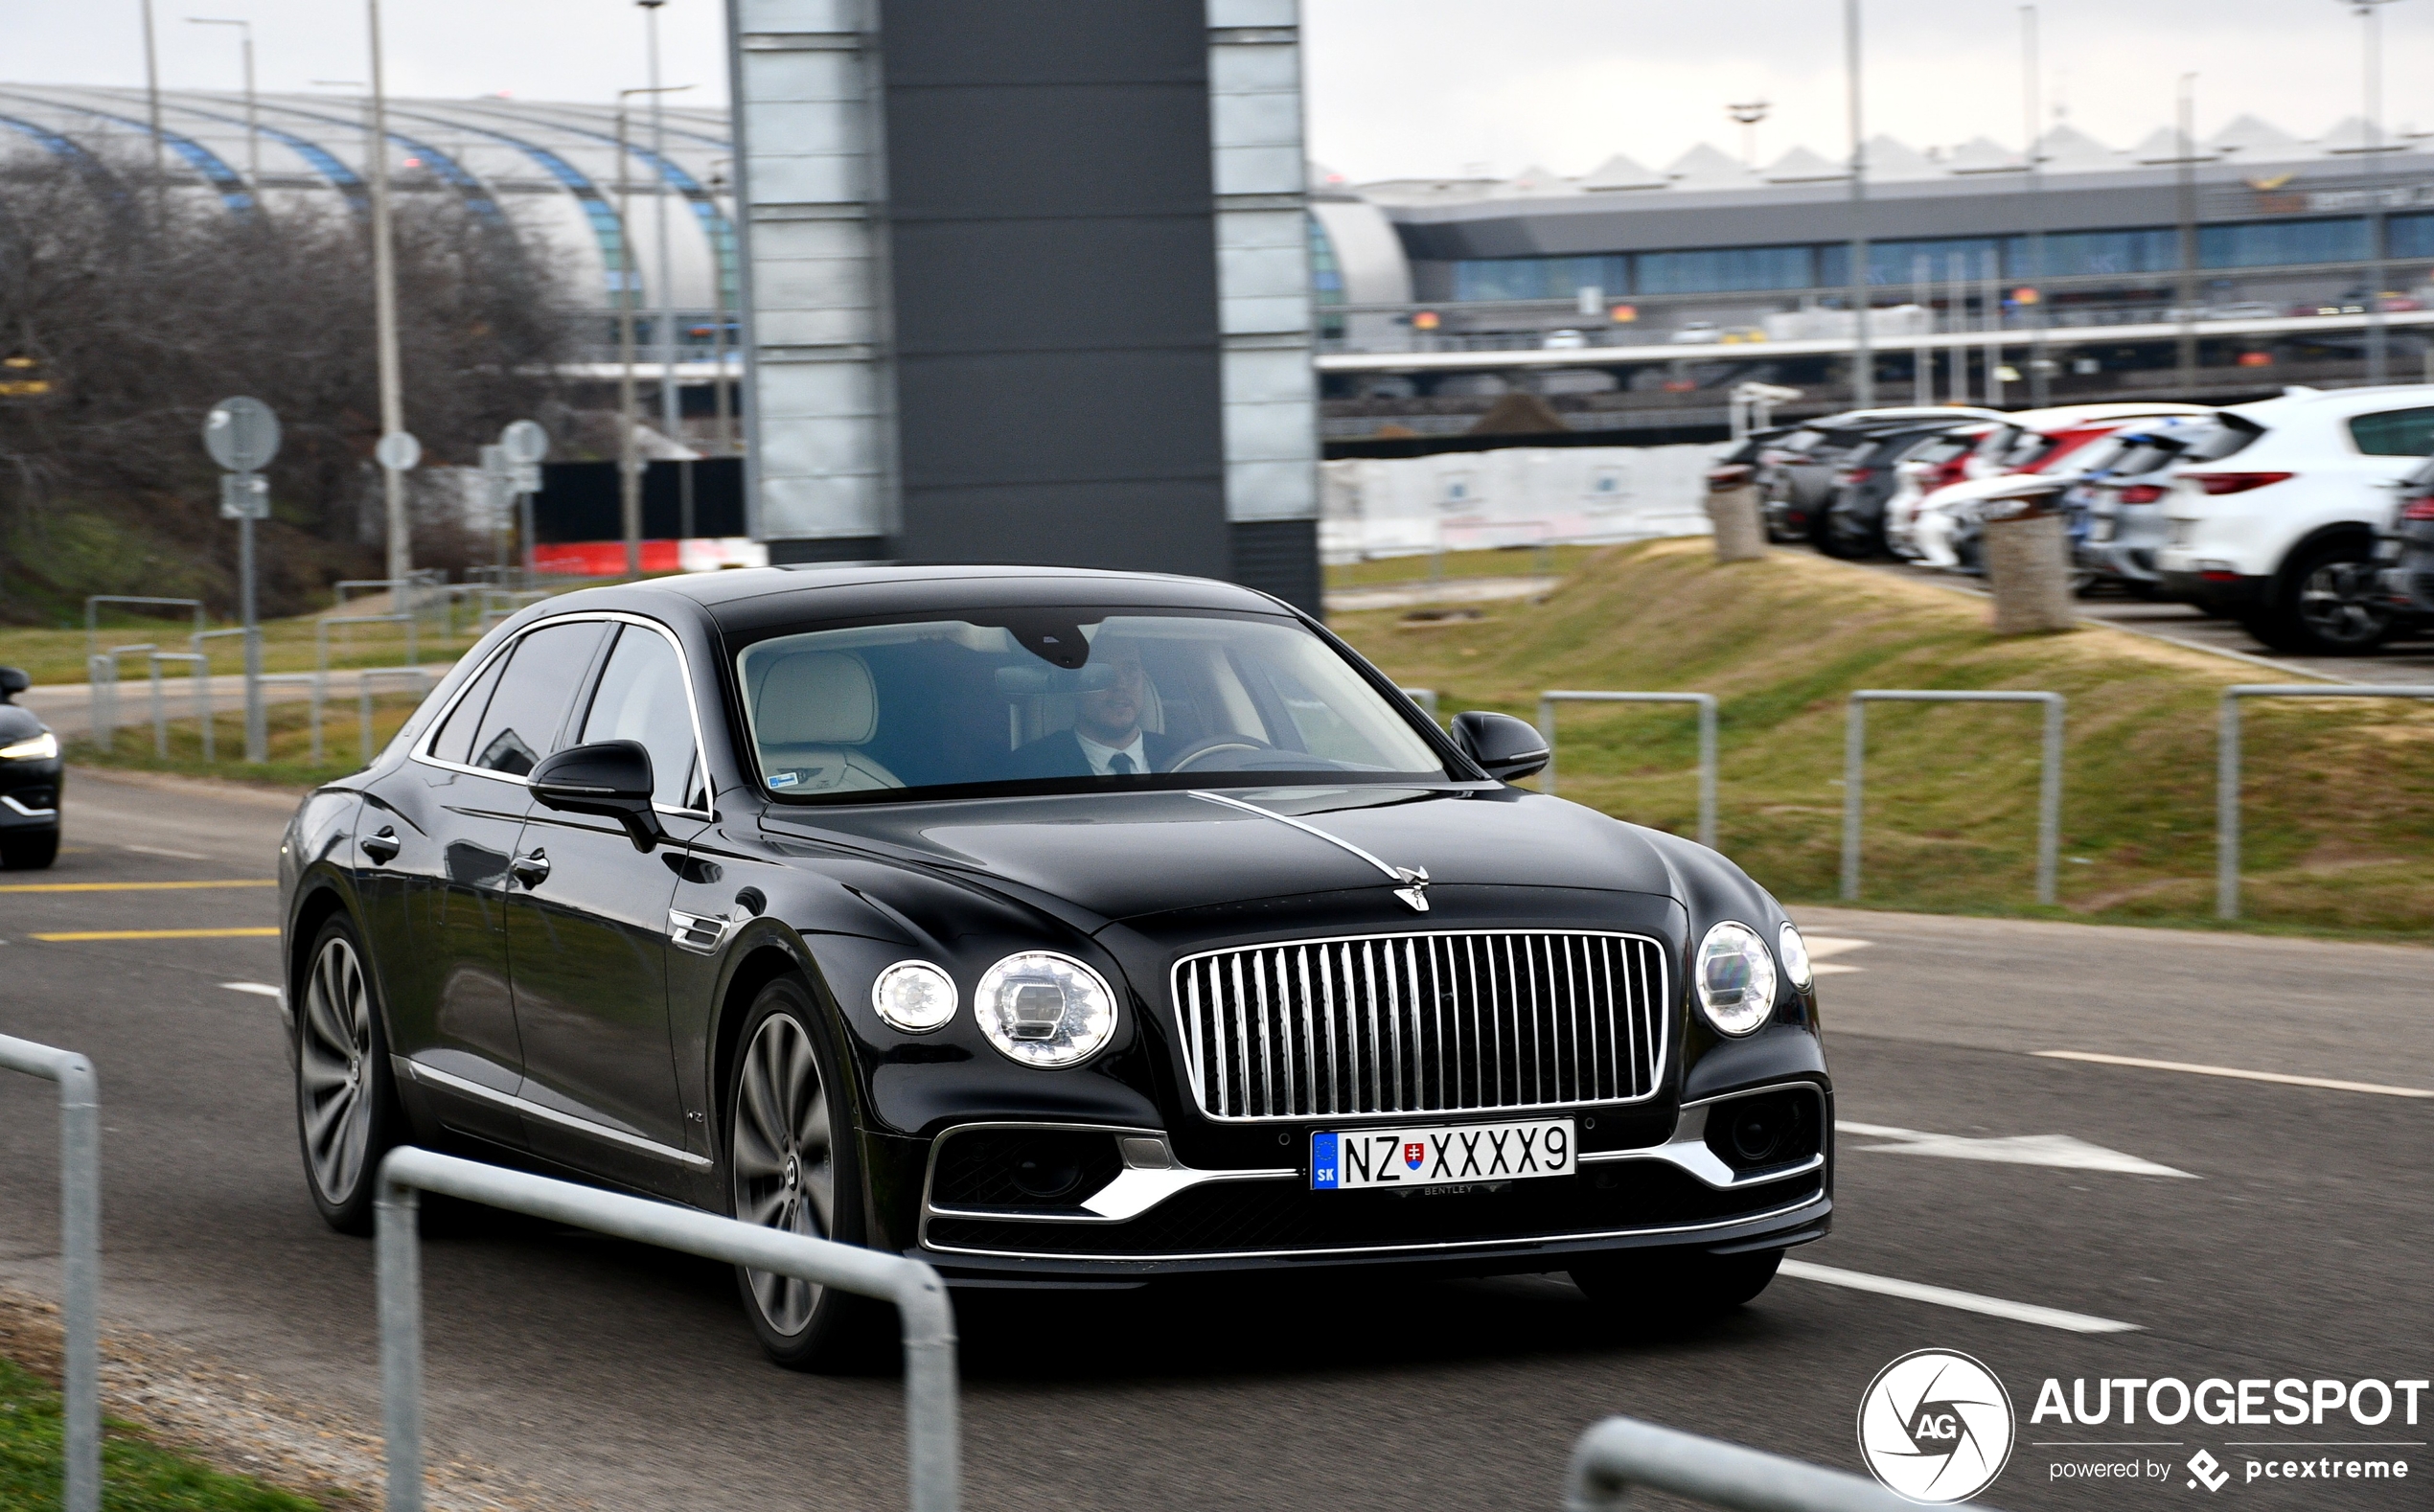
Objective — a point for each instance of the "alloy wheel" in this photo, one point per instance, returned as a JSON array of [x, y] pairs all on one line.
[[785, 1171], [2337, 610], [333, 1065]]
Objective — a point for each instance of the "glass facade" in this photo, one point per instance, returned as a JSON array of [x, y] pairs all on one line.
[[2277, 244], [1326, 280], [2409, 236], [1900, 263]]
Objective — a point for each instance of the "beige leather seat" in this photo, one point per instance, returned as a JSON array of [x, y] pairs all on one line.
[[809, 713]]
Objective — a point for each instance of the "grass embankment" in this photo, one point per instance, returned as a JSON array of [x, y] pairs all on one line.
[[137, 1476], [2339, 826], [288, 726], [1503, 561], [57, 655]]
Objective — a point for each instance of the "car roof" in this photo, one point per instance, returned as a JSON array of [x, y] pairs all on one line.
[[2069, 417], [2336, 402], [755, 597]]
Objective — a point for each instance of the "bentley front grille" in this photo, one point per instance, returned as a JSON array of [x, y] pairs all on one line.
[[1423, 1023]]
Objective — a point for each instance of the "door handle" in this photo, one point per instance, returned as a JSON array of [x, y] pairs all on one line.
[[531, 870], [382, 847]]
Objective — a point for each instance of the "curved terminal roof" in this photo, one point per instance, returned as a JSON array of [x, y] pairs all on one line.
[[551, 170]]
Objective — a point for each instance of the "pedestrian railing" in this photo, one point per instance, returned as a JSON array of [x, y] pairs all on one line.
[[1706, 702], [364, 683], [80, 1253], [919, 1297], [2227, 767], [1426, 698], [199, 678], [2049, 810], [1622, 1453]]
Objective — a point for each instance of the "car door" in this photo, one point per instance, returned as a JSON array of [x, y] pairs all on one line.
[[588, 936], [438, 836]]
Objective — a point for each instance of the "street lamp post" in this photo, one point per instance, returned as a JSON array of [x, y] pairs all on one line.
[[2034, 310], [1749, 113], [2185, 166], [384, 298], [1863, 365], [671, 401], [152, 105], [253, 132], [2377, 344], [629, 452]]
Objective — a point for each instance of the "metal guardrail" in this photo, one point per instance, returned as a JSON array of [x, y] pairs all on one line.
[[363, 681], [199, 675], [1426, 698], [1622, 1453], [79, 1252], [931, 1426], [2227, 767], [1705, 701], [2049, 810], [93, 615]]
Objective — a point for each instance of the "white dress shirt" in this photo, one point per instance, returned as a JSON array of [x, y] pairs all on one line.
[[1098, 756]]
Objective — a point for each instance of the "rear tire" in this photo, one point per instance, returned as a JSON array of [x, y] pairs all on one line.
[[2316, 615], [793, 1163], [29, 851], [347, 1110], [1675, 1287]]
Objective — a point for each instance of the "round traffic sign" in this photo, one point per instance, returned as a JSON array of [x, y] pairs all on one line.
[[525, 442], [241, 434], [399, 451]]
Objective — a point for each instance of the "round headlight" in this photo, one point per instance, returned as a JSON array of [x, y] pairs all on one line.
[[1794, 951], [1045, 1009], [914, 996], [1736, 979]]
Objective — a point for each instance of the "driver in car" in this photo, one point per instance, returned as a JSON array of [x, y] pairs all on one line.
[[1107, 738]]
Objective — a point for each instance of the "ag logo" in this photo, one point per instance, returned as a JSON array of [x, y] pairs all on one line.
[[1936, 1427]]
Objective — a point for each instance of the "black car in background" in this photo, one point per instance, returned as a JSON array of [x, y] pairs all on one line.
[[31, 777], [2405, 555], [1853, 525], [1056, 928]]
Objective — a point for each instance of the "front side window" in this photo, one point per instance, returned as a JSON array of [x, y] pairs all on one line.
[[1068, 701], [529, 706], [641, 698]]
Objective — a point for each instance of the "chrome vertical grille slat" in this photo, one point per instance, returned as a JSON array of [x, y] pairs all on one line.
[[1425, 1022]]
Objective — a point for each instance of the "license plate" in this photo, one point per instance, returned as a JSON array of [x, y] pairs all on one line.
[[1440, 1156]]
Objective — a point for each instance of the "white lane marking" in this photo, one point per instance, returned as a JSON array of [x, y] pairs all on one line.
[[1822, 948], [258, 989], [1965, 1301], [2060, 1151], [2234, 1072], [156, 850]]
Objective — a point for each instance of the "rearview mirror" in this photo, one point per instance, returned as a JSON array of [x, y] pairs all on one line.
[[11, 683], [610, 778], [1507, 748]]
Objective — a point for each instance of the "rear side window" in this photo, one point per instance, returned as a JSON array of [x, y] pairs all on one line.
[[522, 725], [2228, 436], [455, 743], [2394, 432]]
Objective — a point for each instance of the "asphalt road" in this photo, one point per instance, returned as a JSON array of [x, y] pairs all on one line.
[[2295, 1245]]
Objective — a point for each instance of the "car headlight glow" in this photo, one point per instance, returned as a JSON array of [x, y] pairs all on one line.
[[44, 746], [914, 996], [1735, 979], [1794, 951], [1043, 1009]]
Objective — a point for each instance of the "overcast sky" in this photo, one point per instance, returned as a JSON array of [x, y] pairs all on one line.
[[1418, 87]]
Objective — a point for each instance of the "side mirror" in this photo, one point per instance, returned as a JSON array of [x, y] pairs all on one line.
[[11, 683], [611, 778], [1507, 748]]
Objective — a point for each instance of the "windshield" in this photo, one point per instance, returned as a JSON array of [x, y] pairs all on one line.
[[1064, 701]]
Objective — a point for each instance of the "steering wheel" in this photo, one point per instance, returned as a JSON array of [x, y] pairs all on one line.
[[1210, 745]]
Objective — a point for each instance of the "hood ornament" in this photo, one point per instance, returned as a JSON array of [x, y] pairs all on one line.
[[1412, 882]]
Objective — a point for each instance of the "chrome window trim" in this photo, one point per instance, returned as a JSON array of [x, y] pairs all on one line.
[[684, 664], [415, 1070], [1145, 1195], [1666, 1007], [1519, 1242]]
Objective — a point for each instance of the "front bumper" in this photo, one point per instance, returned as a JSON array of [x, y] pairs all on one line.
[[29, 794], [1155, 1218]]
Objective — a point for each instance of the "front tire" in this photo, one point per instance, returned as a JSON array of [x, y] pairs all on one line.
[[1675, 1287], [29, 851], [347, 1110], [794, 1164]]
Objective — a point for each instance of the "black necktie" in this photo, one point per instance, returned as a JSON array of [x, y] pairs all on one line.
[[1120, 764]]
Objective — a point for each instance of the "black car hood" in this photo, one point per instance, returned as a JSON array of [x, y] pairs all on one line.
[[17, 724], [1131, 854]]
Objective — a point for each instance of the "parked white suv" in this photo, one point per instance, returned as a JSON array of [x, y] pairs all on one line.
[[2279, 532]]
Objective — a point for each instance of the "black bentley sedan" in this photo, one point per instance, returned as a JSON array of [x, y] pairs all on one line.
[[1053, 926]]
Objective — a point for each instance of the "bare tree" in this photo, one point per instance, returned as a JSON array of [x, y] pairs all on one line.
[[127, 315]]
